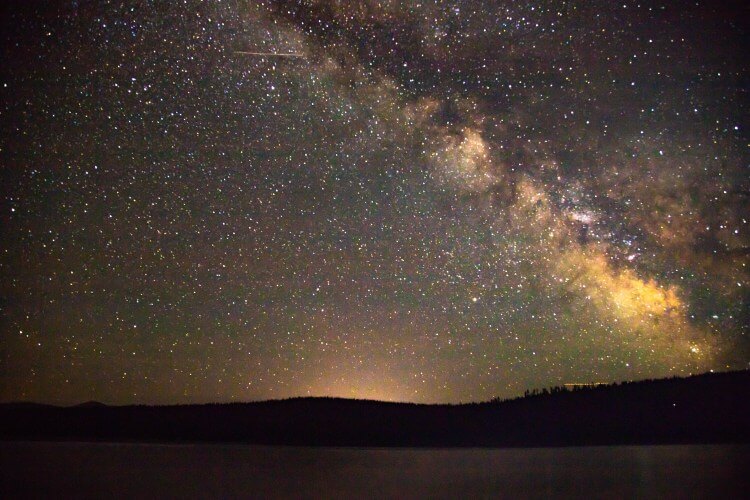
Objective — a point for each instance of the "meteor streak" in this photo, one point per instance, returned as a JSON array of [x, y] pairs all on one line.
[[269, 54]]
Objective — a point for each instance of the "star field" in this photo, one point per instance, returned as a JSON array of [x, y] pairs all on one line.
[[419, 201]]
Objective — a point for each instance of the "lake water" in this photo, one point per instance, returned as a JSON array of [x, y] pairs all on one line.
[[116, 470]]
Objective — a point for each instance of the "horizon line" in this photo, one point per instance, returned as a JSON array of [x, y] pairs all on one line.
[[494, 399]]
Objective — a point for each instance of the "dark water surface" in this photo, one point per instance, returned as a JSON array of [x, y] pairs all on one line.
[[117, 470]]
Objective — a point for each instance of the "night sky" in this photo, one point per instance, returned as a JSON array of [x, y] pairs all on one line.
[[429, 201]]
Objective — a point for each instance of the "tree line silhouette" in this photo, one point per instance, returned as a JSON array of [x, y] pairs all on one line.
[[705, 408], [577, 387]]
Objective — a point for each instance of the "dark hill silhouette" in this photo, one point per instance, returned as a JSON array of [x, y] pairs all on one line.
[[706, 408], [90, 404]]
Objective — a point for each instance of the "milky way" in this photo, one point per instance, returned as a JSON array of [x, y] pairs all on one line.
[[419, 201]]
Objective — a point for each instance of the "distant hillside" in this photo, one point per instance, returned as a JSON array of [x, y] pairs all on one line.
[[699, 409], [91, 404]]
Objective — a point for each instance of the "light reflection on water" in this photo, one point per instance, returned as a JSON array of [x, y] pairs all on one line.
[[237, 471]]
